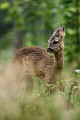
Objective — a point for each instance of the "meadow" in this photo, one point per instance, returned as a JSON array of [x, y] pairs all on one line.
[[31, 23], [64, 104]]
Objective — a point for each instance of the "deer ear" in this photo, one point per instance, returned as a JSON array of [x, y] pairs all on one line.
[[59, 29], [62, 31], [62, 28]]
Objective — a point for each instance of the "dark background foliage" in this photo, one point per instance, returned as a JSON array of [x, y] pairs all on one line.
[[31, 22]]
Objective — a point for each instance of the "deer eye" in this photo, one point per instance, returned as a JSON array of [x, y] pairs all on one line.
[[56, 35], [55, 42]]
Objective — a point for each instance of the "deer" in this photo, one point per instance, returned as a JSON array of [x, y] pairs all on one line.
[[47, 65]]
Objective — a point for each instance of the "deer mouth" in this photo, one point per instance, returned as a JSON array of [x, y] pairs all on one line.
[[49, 50]]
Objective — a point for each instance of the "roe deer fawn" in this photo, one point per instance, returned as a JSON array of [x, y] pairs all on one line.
[[36, 62]]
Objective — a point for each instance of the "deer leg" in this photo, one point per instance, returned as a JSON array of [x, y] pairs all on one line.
[[49, 84], [17, 82], [29, 84]]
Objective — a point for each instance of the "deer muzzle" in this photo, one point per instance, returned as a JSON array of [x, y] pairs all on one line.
[[49, 50]]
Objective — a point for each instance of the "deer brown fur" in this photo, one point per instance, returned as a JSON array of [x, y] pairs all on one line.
[[47, 64]]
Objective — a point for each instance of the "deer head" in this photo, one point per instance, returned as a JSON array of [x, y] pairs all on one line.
[[55, 43]]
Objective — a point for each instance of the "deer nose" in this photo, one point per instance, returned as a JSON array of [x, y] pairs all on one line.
[[49, 50]]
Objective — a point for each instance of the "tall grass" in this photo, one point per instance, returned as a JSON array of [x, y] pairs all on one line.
[[63, 105]]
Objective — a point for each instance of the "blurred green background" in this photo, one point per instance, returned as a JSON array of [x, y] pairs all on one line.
[[31, 22]]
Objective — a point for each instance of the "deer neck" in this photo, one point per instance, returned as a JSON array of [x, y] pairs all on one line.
[[59, 59]]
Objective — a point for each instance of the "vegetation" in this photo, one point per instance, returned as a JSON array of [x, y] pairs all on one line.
[[63, 105], [29, 23]]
